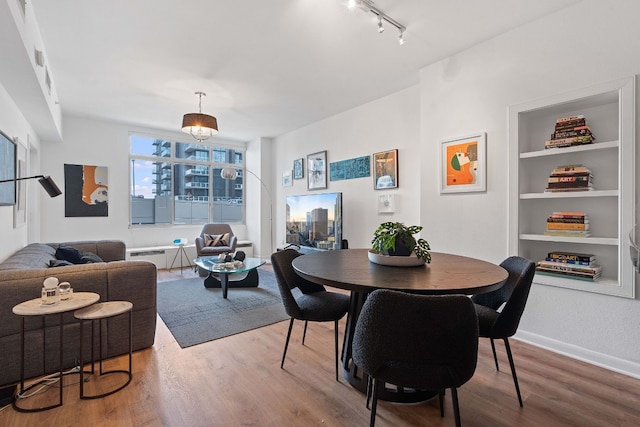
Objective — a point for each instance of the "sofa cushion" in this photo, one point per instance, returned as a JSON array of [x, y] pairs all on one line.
[[89, 257], [35, 255], [59, 263], [217, 239]]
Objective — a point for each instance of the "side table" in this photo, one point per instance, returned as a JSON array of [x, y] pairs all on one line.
[[35, 307], [101, 312]]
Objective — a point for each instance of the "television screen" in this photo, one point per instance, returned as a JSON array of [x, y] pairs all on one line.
[[315, 220]]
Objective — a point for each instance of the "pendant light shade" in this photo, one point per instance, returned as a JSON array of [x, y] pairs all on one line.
[[198, 125]]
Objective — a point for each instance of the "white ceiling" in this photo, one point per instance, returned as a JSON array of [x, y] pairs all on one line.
[[267, 66]]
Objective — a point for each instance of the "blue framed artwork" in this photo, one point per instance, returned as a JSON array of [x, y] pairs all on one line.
[[359, 167]]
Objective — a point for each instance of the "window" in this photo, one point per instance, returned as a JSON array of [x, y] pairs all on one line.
[[180, 183]]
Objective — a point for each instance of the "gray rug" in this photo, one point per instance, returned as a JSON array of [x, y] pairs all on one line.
[[195, 314]]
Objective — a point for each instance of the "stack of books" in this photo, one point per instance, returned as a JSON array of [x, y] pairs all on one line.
[[568, 224], [570, 264], [570, 178], [570, 131]]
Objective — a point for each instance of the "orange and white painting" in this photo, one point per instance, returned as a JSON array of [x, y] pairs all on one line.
[[463, 164], [86, 190]]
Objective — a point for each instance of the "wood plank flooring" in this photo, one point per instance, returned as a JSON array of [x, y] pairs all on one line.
[[237, 381]]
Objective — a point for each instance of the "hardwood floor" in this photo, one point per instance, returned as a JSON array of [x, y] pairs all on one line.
[[237, 381]]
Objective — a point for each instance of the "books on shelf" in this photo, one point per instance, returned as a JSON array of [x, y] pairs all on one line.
[[568, 224], [570, 131], [570, 264], [570, 178]]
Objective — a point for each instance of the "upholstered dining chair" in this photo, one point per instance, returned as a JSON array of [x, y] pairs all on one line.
[[215, 239], [312, 302], [499, 312], [421, 342]]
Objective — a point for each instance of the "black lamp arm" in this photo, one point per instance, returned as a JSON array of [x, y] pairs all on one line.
[[20, 179], [47, 183]]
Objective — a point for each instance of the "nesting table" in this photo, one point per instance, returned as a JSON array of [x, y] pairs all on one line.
[[35, 307]]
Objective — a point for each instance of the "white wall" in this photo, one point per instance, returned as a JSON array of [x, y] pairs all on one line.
[[590, 43], [103, 143], [388, 123], [14, 124]]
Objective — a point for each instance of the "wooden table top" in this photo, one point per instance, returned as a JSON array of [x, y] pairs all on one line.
[[351, 269], [35, 307]]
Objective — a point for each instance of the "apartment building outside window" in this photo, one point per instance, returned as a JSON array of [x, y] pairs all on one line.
[[179, 183]]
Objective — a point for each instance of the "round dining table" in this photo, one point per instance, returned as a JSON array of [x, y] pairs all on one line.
[[351, 270]]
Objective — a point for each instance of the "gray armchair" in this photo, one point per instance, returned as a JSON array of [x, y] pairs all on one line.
[[215, 239]]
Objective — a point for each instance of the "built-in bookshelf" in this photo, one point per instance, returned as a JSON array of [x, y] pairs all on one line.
[[610, 112]]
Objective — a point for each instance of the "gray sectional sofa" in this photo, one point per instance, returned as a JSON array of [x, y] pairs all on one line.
[[21, 277]]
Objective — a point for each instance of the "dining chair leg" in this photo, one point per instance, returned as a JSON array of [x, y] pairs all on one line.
[[456, 408], [374, 404], [513, 370], [304, 333], [369, 389], [441, 401], [335, 327], [495, 357], [286, 344]]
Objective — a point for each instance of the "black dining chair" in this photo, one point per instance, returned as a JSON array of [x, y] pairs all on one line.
[[313, 302], [499, 312], [421, 342]]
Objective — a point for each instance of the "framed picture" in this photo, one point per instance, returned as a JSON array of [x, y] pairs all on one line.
[[298, 169], [463, 164], [286, 179], [7, 170], [20, 208], [385, 166], [317, 171], [86, 191]]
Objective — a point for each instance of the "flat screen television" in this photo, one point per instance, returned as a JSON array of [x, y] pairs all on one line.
[[315, 220]]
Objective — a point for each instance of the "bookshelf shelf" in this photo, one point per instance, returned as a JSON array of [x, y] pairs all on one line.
[[609, 110]]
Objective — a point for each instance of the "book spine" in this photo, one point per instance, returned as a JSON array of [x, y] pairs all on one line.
[[569, 256], [567, 233], [569, 172], [566, 261], [572, 268], [570, 124], [576, 178], [567, 226], [569, 214], [570, 133], [570, 140], [570, 118], [568, 220], [576, 184]]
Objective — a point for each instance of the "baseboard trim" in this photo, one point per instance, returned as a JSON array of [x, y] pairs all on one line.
[[575, 352]]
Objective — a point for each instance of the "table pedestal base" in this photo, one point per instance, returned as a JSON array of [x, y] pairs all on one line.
[[222, 281]]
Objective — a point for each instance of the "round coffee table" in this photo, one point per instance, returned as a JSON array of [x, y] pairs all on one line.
[[220, 271]]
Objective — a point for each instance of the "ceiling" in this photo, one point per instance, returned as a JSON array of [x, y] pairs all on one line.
[[267, 67]]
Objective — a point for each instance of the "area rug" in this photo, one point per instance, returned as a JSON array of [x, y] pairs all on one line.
[[195, 314]]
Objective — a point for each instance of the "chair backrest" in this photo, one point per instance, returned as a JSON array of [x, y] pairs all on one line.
[[288, 279], [418, 341], [216, 229], [513, 294]]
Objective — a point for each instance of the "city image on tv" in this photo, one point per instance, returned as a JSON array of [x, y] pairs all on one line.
[[315, 220]]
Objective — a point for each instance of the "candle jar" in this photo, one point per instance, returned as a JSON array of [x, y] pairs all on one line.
[[50, 293], [65, 290]]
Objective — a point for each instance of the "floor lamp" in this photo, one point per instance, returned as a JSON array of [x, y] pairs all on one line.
[[46, 181], [230, 174]]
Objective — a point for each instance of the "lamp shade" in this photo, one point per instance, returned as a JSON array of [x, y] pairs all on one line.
[[50, 186], [200, 126], [229, 173]]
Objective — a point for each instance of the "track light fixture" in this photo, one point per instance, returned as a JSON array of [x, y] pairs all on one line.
[[368, 6]]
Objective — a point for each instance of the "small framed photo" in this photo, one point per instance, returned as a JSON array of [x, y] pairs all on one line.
[[317, 171], [385, 165], [463, 164], [286, 179], [298, 168]]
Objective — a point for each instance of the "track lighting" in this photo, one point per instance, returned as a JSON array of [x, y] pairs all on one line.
[[367, 6]]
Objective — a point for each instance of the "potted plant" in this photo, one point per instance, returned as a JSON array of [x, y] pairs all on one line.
[[396, 239]]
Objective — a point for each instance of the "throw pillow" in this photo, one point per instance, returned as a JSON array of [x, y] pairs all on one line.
[[225, 239], [90, 257], [70, 254], [211, 239]]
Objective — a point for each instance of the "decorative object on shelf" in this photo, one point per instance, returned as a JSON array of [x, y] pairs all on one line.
[[396, 239], [359, 167], [199, 126], [385, 167], [317, 170], [570, 131], [463, 164], [286, 179], [298, 168], [386, 203]]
